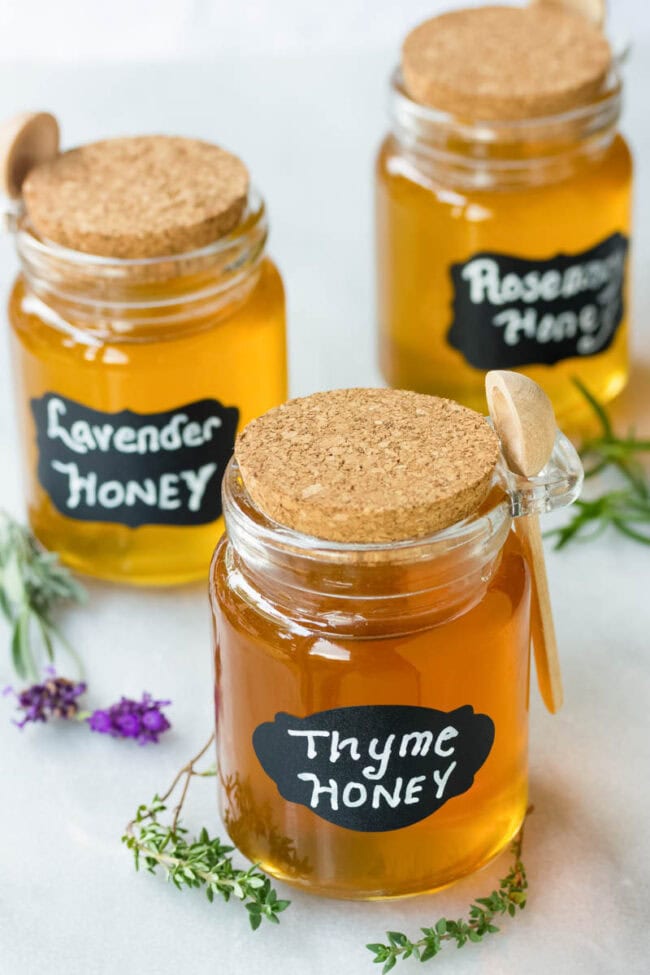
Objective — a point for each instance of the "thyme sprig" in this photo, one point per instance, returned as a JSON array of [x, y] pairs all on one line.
[[625, 508], [202, 862], [509, 898], [33, 584], [207, 863]]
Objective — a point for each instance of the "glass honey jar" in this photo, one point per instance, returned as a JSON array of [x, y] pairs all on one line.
[[372, 696], [148, 325], [503, 196]]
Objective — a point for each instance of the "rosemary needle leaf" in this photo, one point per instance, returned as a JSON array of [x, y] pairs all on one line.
[[626, 509], [597, 407], [33, 584]]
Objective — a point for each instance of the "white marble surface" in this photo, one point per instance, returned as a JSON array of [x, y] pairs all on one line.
[[69, 899]]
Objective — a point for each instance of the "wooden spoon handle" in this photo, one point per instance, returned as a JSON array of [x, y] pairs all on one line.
[[547, 661]]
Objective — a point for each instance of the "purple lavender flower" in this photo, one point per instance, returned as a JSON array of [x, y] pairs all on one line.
[[56, 697], [142, 720]]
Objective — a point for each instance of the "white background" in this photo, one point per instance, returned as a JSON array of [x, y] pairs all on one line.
[[71, 30], [298, 89]]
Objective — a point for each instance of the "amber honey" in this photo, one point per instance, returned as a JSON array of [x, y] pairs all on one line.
[[150, 337], [423, 228], [371, 606], [435, 627], [503, 240]]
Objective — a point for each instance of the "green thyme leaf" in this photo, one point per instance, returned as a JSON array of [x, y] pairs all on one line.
[[201, 862], [507, 900]]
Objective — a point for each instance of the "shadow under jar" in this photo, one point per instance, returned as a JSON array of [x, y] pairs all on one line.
[[502, 243], [132, 377], [372, 699]]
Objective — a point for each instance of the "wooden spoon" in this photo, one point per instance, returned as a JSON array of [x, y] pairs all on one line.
[[525, 422], [25, 140], [593, 10]]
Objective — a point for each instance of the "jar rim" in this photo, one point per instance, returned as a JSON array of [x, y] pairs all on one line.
[[605, 106], [409, 582], [510, 495], [396, 586], [133, 298], [254, 214], [246, 522]]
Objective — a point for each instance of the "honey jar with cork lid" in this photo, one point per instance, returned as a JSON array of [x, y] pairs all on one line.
[[503, 196], [372, 610], [148, 325]]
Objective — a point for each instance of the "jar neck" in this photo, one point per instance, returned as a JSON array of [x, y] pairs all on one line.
[[498, 155], [138, 300], [360, 590]]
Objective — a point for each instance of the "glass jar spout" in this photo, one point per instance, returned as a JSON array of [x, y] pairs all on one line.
[[556, 486]]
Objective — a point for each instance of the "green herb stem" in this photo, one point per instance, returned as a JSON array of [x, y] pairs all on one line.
[[509, 898], [625, 508], [202, 862], [33, 584]]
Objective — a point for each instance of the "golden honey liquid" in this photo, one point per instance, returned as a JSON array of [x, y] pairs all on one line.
[[237, 358], [423, 227], [264, 665]]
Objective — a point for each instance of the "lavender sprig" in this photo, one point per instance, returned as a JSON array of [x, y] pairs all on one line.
[[56, 697], [33, 584], [143, 720]]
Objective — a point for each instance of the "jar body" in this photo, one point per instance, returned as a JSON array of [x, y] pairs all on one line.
[[531, 276], [278, 667], [200, 379]]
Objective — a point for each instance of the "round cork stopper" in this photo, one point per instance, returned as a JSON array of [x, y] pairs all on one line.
[[146, 196], [368, 465], [506, 63]]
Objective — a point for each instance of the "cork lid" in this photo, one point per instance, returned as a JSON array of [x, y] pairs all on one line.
[[139, 197], [506, 63], [368, 465]]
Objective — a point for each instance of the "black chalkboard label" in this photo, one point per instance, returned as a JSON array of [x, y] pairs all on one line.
[[376, 767], [510, 312], [134, 468]]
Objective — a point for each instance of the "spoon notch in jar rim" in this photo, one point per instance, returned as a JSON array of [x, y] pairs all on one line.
[[525, 423], [26, 140]]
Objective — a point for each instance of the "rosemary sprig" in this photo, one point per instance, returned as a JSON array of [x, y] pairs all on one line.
[[625, 508], [32, 585], [202, 862], [506, 900]]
